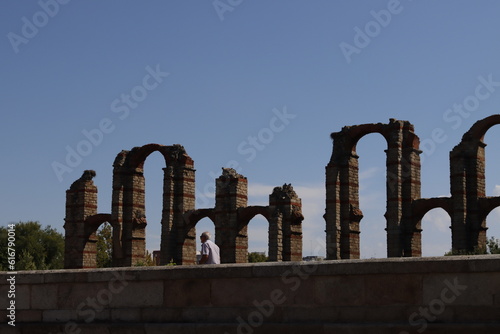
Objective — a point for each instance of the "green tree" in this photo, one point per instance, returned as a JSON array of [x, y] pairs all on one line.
[[36, 247], [257, 257], [105, 246], [492, 247], [147, 262], [26, 261]]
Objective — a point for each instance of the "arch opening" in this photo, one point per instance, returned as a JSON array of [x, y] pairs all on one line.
[[436, 233], [492, 163], [493, 224], [372, 197], [153, 200], [204, 224], [258, 235]]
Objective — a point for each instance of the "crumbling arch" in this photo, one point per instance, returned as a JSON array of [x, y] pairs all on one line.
[[92, 224], [128, 208], [468, 187], [403, 185], [82, 222]]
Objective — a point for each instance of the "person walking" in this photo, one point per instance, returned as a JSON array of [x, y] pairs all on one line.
[[210, 252]]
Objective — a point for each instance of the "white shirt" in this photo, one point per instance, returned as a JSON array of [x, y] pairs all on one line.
[[212, 250]]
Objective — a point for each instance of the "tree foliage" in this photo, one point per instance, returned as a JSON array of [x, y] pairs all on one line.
[[492, 247], [147, 262], [254, 257], [105, 246], [36, 247]]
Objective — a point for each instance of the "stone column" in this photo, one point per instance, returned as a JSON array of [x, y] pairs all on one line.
[[231, 194], [81, 203], [285, 242], [411, 228], [403, 186], [133, 236], [467, 173], [342, 200], [332, 211], [179, 197]]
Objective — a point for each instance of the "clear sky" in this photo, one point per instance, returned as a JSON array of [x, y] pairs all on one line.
[[258, 84]]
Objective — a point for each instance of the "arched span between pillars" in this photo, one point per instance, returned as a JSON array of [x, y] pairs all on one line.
[[343, 214], [179, 216], [471, 206], [468, 206]]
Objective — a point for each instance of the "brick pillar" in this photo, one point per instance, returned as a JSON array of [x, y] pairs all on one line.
[[342, 200], [81, 203], [119, 177], [411, 228], [178, 241], [133, 237], [394, 211], [231, 191], [275, 243], [467, 174], [403, 186], [332, 211], [350, 213], [285, 231]]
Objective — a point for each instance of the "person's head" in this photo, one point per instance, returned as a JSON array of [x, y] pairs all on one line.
[[205, 236]]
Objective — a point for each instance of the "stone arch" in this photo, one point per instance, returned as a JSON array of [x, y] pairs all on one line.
[[420, 207], [486, 205], [246, 214], [92, 224], [193, 217], [403, 185], [128, 208], [468, 189], [81, 223], [424, 205]]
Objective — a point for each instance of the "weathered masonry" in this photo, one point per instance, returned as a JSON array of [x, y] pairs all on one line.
[[467, 206], [231, 214]]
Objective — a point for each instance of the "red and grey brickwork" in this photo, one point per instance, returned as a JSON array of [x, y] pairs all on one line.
[[468, 206], [179, 216]]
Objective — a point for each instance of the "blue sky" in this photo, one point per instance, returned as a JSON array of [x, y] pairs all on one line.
[[224, 70]]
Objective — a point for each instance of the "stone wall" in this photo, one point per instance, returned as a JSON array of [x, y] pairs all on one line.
[[435, 295]]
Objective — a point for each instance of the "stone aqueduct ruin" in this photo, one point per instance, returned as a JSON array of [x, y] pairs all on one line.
[[467, 206], [231, 214]]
